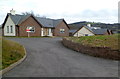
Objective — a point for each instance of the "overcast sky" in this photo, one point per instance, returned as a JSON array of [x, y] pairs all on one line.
[[105, 11]]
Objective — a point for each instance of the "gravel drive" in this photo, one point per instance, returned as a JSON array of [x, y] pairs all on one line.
[[47, 57]]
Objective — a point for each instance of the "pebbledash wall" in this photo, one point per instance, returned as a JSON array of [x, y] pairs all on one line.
[[8, 25], [83, 31], [103, 52]]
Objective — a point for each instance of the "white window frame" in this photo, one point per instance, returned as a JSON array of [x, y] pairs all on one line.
[[7, 29], [86, 34], [11, 29], [29, 27], [62, 30]]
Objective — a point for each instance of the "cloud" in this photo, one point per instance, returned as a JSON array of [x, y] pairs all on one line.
[[104, 15], [71, 10]]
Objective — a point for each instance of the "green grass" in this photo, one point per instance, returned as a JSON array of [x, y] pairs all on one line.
[[11, 52], [99, 41]]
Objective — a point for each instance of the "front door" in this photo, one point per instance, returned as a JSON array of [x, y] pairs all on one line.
[[45, 31]]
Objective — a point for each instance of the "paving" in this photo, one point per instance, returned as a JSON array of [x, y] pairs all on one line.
[[47, 57]]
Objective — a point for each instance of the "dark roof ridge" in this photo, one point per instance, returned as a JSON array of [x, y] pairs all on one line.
[[48, 18], [46, 22]]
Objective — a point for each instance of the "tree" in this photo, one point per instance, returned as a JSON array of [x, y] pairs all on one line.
[[32, 13], [26, 13]]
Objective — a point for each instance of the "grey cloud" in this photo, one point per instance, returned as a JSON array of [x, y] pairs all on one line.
[[89, 14], [100, 13], [105, 15]]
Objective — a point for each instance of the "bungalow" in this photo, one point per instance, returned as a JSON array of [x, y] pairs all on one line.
[[89, 31], [16, 25]]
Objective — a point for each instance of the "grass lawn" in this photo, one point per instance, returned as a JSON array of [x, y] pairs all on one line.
[[11, 52], [99, 41]]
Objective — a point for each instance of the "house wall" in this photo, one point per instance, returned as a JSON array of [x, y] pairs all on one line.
[[107, 33], [82, 32], [30, 22], [110, 31], [62, 25], [9, 23]]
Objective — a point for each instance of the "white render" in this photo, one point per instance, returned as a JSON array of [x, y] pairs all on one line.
[[49, 30], [9, 22], [42, 32], [82, 32], [12, 12]]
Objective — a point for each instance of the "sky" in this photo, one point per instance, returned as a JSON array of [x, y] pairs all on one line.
[[104, 11]]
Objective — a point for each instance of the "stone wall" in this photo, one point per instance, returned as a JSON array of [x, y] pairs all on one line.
[[103, 52]]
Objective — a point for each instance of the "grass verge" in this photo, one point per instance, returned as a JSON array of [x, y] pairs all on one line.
[[110, 41], [11, 52]]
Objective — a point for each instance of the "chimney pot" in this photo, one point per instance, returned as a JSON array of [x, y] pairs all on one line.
[[89, 25], [12, 12]]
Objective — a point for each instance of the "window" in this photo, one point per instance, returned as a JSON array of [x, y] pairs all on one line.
[[62, 30], [86, 34], [32, 29], [11, 28], [27, 28], [7, 29], [52, 30]]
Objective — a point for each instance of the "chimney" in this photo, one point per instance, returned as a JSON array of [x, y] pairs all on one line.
[[12, 12], [89, 25]]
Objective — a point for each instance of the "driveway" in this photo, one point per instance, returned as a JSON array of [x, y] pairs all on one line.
[[47, 57]]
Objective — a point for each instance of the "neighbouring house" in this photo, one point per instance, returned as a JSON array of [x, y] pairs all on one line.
[[102, 32], [82, 31], [89, 31], [16, 25]]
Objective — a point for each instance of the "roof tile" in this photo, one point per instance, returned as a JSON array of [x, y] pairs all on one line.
[[46, 22]]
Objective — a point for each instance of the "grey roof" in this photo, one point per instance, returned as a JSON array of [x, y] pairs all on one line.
[[95, 31], [99, 31], [56, 22], [73, 31], [17, 19], [95, 27], [46, 22], [23, 17], [89, 28]]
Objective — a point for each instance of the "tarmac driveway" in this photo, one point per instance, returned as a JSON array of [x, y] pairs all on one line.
[[47, 57]]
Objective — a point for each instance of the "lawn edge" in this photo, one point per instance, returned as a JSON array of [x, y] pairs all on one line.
[[14, 64]]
